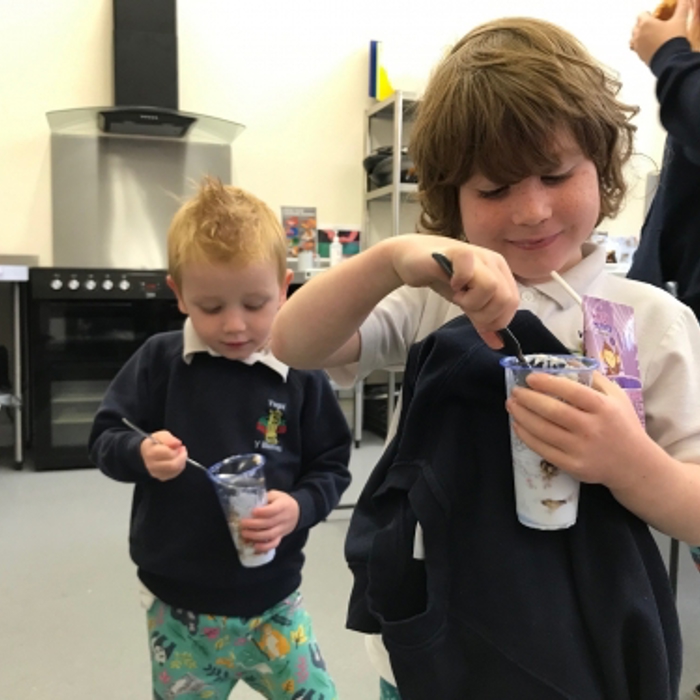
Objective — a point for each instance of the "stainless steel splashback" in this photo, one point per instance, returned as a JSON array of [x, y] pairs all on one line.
[[113, 198]]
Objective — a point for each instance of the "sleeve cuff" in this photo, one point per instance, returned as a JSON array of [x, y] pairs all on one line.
[[369, 352], [344, 376], [666, 51], [307, 509]]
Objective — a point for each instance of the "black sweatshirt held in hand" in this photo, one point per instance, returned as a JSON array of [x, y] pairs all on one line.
[[496, 610]]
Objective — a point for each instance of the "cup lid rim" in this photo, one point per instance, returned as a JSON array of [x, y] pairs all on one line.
[[512, 362], [257, 460]]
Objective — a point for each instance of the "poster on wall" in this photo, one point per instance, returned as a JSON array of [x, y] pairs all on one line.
[[299, 225], [349, 238]]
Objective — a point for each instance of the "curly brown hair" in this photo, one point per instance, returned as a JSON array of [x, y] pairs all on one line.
[[493, 105], [225, 224]]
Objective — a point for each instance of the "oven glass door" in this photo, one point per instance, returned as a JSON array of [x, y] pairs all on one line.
[[77, 349]]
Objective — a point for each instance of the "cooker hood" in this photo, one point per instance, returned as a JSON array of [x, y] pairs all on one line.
[[146, 97]]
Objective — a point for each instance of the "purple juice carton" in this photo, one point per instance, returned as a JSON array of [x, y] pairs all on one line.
[[609, 336]]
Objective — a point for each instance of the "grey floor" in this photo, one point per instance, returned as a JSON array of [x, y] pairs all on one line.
[[71, 627]]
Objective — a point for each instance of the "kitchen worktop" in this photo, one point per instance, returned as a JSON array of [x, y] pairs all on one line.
[[15, 268]]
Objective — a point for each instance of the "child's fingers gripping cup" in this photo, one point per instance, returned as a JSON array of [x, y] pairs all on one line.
[[240, 485], [546, 498]]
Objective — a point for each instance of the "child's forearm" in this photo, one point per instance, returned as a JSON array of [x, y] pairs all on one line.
[[325, 313], [665, 493], [319, 323]]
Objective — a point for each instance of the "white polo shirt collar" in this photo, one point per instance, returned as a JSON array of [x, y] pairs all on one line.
[[192, 344], [580, 277]]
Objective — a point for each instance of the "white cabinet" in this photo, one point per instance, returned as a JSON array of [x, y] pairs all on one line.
[[390, 209]]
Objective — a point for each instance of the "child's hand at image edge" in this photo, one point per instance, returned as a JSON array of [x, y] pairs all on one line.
[[650, 33], [271, 522]]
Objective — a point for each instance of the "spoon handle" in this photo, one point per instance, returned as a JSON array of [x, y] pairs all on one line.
[[507, 335], [150, 437]]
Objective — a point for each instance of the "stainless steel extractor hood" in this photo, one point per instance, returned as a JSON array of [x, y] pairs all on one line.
[[146, 95]]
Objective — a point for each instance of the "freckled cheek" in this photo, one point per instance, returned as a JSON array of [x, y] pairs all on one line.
[[569, 203], [582, 206], [480, 227], [585, 197]]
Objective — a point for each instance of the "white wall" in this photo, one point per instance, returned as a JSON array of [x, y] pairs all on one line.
[[294, 72]]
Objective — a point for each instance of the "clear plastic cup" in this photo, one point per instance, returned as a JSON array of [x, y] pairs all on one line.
[[240, 484], [546, 498]]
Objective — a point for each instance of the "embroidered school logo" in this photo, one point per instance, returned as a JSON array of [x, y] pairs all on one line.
[[272, 426]]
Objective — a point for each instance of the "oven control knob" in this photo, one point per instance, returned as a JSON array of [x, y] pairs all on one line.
[[90, 284], [56, 284], [107, 285], [73, 284], [124, 285]]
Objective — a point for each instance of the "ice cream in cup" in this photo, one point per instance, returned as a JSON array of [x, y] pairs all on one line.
[[546, 498], [240, 485]]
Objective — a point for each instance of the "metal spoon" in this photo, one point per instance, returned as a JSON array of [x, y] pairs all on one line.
[[510, 342], [138, 430]]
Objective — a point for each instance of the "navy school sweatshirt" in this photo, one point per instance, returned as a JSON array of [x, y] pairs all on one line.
[[179, 537]]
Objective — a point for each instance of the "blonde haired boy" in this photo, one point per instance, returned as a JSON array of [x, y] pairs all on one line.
[[213, 390]]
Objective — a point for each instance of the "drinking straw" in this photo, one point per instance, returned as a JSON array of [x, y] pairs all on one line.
[[567, 287]]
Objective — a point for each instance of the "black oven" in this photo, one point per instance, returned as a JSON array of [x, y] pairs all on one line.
[[83, 324]]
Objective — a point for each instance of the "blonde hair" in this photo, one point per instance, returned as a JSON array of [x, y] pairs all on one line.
[[225, 224], [494, 105]]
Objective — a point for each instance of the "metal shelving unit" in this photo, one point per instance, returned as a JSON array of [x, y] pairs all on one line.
[[404, 190], [387, 123]]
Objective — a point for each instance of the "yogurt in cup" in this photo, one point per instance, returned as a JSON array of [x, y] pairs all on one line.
[[546, 498], [240, 485]]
